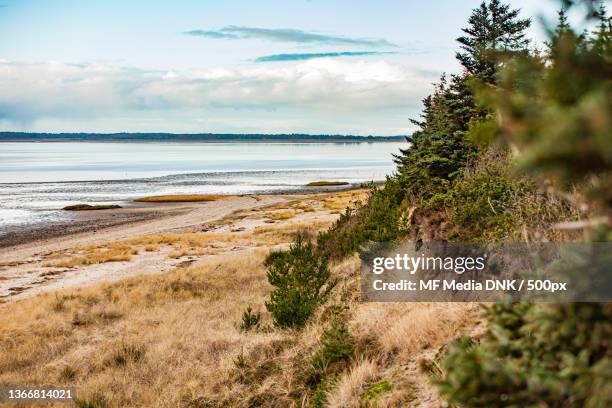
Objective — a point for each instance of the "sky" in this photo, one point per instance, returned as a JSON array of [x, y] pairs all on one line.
[[233, 66]]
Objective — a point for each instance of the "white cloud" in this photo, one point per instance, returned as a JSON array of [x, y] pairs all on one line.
[[320, 87]]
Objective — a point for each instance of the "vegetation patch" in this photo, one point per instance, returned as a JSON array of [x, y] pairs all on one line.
[[180, 198], [88, 207], [250, 320], [319, 396], [128, 354], [301, 281], [97, 400], [327, 183], [336, 347], [374, 391]]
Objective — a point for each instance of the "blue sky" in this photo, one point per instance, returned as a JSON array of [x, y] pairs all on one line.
[[349, 67]]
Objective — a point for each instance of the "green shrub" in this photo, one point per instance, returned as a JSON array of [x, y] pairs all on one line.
[[319, 397], [380, 219], [301, 281], [482, 204], [250, 320], [336, 346], [554, 355], [374, 391]]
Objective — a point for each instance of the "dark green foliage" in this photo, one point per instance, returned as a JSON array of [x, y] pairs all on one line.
[[558, 114], [380, 219], [493, 29], [482, 203], [333, 355], [319, 396], [250, 320], [439, 149], [335, 346], [301, 281], [545, 355]]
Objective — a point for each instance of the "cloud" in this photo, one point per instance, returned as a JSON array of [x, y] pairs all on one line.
[[287, 35], [307, 56], [329, 87]]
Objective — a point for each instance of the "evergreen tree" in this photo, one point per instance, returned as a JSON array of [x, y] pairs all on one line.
[[556, 115], [562, 30], [439, 149], [493, 29], [600, 40]]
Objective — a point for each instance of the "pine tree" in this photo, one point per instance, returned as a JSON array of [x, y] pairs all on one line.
[[600, 40], [562, 30], [439, 149], [493, 29]]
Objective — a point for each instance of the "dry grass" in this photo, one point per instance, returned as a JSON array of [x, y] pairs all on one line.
[[183, 244], [179, 198], [96, 255], [280, 215], [173, 339], [350, 199]]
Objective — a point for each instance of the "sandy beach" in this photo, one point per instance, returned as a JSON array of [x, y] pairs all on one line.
[[37, 259]]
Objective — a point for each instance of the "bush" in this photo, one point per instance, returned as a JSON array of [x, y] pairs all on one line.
[[319, 397], [482, 204], [381, 219], [375, 390], [554, 355], [301, 281], [336, 346], [250, 320]]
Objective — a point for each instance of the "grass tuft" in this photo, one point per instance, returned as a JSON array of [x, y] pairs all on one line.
[[326, 183], [88, 207], [180, 198], [374, 391]]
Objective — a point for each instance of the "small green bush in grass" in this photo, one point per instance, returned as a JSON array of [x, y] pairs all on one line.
[[374, 391], [301, 281], [335, 346], [381, 219], [319, 397], [250, 320]]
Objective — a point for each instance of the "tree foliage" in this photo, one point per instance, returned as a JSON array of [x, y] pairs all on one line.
[[301, 281], [555, 112], [493, 29]]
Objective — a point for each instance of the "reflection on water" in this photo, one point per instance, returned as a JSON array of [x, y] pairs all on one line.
[[37, 179]]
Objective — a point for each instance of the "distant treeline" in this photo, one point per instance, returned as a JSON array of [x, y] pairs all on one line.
[[213, 137]]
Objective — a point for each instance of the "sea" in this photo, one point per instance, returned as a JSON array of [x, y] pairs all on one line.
[[37, 179]]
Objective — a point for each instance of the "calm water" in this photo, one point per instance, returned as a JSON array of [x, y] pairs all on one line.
[[37, 179]]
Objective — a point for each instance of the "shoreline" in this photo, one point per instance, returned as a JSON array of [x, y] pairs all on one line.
[[222, 229], [132, 213]]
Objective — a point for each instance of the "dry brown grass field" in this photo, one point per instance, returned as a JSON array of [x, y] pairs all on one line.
[[174, 339]]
